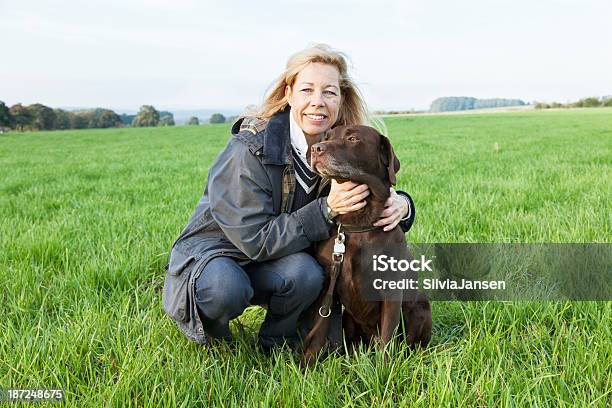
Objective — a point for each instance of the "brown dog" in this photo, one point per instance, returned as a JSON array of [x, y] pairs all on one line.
[[362, 155]]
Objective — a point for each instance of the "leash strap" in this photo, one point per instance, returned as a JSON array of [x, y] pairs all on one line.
[[337, 258]]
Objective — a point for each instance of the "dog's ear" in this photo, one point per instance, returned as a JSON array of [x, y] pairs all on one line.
[[389, 159]]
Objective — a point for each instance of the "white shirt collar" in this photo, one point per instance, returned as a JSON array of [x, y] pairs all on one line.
[[298, 140]]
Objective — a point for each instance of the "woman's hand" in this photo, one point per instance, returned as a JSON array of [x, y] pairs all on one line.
[[346, 197], [396, 208]]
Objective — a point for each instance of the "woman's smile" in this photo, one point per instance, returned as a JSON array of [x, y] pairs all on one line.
[[316, 119]]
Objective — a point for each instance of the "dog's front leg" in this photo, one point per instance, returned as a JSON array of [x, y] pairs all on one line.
[[417, 321], [390, 314], [315, 340]]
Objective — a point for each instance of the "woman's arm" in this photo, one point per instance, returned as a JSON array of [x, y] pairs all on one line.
[[399, 210], [408, 217], [241, 203]]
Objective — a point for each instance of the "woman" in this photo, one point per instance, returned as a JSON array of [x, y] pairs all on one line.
[[263, 207]]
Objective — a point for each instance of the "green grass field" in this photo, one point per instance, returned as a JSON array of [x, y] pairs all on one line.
[[87, 219]]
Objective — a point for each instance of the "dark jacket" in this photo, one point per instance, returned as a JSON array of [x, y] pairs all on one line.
[[244, 214]]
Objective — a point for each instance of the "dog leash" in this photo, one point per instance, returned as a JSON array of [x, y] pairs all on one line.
[[337, 259]]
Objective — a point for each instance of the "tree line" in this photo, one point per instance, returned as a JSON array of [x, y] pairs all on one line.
[[40, 117], [458, 103], [215, 118], [591, 102]]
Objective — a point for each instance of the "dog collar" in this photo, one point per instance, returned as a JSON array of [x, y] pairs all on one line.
[[359, 228]]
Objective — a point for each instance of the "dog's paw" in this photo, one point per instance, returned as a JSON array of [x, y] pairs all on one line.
[[308, 360]]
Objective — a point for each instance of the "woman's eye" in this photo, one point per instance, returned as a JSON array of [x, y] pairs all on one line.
[[307, 90], [331, 93]]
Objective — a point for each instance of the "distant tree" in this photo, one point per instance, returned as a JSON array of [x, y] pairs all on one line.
[[452, 103], [497, 103], [217, 118], [457, 103], [147, 116], [103, 118], [6, 119], [127, 119], [166, 120], [43, 117], [22, 116], [80, 120], [62, 119], [591, 102], [541, 105], [193, 121], [607, 102]]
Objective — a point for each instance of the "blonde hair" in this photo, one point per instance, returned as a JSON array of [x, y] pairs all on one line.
[[353, 110]]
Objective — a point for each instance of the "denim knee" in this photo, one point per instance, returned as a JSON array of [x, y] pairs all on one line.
[[223, 289], [305, 275]]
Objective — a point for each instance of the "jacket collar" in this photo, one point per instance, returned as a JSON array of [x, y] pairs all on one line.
[[277, 143]]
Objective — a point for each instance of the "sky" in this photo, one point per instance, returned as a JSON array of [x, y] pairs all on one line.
[[181, 54]]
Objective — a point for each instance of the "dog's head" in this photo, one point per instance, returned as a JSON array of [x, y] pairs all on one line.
[[357, 153]]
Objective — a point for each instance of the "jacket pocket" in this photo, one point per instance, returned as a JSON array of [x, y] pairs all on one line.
[[176, 286]]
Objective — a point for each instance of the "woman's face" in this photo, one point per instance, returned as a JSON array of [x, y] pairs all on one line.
[[315, 98]]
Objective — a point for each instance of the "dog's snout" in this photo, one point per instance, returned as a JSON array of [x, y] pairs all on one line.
[[318, 148]]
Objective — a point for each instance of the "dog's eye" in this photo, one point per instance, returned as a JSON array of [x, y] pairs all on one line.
[[352, 139]]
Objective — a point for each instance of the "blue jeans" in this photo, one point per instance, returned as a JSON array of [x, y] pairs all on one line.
[[286, 285]]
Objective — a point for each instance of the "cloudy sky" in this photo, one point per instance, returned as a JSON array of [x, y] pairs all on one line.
[[203, 54]]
